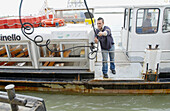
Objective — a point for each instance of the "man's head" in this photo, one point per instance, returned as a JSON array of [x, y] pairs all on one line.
[[100, 22], [149, 15]]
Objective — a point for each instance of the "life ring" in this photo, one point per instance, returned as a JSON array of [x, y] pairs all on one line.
[[52, 22]]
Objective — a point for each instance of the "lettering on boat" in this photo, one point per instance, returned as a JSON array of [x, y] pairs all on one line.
[[12, 37]]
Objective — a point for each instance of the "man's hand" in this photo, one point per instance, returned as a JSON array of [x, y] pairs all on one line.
[[155, 30], [96, 40], [100, 34]]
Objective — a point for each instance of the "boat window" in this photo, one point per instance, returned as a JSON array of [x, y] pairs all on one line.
[[72, 53], [166, 21], [130, 21], [18, 51], [15, 54], [73, 57], [126, 18], [72, 16], [44, 52], [3, 52], [147, 21]]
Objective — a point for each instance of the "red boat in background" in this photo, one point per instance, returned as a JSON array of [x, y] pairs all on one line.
[[14, 22]]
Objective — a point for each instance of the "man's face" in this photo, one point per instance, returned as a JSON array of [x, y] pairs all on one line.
[[100, 24], [148, 16]]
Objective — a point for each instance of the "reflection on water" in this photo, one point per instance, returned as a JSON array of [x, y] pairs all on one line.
[[60, 102]]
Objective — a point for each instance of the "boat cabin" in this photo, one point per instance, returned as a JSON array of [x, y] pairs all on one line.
[[144, 26], [71, 15]]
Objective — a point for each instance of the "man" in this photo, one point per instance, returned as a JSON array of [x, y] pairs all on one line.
[[104, 36], [147, 25]]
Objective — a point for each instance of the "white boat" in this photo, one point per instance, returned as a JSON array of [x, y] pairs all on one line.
[[140, 68]]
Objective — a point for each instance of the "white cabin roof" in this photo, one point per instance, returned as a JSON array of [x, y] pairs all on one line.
[[70, 9], [134, 6]]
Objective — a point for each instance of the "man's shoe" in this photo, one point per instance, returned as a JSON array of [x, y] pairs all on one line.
[[105, 75], [113, 71]]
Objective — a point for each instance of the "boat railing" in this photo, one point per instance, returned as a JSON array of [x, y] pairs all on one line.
[[28, 56], [121, 57], [16, 53], [124, 58]]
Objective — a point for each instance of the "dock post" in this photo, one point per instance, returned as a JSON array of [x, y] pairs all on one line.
[[11, 95]]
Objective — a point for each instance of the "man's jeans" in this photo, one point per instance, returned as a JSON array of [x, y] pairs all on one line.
[[105, 59]]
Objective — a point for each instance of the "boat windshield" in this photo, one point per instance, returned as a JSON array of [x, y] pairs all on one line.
[[147, 20], [166, 21], [73, 15]]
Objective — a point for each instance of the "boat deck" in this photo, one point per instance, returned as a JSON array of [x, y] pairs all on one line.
[[124, 69]]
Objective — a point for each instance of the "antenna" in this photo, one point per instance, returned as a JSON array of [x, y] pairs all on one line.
[[75, 3]]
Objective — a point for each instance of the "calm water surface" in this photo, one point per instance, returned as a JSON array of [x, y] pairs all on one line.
[[61, 102]]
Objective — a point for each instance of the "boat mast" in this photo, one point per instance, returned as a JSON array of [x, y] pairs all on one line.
[[46, 10], [43, 8]]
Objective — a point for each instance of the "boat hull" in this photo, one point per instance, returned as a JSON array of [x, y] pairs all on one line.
[[91, 87], [79, 81]]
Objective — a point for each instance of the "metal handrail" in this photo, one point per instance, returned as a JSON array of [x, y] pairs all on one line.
[[129, 61], [122, 51]]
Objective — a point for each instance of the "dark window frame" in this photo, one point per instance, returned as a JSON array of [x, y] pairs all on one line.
[[157, 22], [124, 25], [164, 18], [130, 20]]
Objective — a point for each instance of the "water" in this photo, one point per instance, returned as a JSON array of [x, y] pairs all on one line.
[[61, 102]]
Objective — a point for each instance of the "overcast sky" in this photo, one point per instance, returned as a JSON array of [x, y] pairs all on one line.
[[11, 7]]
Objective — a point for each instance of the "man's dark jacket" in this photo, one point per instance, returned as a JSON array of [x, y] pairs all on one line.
[[106, 42]]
